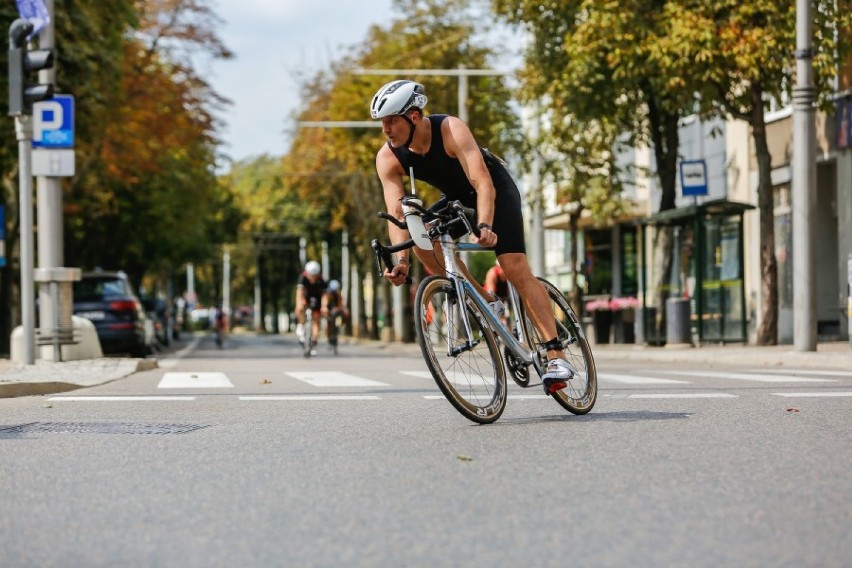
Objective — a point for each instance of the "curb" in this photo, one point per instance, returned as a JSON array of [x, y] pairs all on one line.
[[40, 379]]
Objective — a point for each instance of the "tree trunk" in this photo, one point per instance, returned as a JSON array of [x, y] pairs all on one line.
[[575, 297], [666, 139], [767, 331]]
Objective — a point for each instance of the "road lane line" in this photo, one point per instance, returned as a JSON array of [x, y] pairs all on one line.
[[748, 377], [811, 394], [169, 362], [174, 380], [684, 395], [334, 379], [310, 397], [119, 398], [846, 374]]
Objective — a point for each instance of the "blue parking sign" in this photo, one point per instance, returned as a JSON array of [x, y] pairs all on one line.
[[53, 122]]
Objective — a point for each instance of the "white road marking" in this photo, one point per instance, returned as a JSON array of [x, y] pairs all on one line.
[[335, 379], [812, 394], [418, 374], [810, 372], [170, 362], [635, 380], [119, 398], [310, 397], [748, 377], [684, 395], [174, 380]]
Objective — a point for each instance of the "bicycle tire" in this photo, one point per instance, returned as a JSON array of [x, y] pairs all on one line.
[[473, 380], [580, 395], [333, 332], [308, 343]]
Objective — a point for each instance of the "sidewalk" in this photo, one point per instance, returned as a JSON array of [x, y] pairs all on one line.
[[47, 377]]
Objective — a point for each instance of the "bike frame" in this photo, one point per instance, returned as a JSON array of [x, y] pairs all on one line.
[[462, 285]]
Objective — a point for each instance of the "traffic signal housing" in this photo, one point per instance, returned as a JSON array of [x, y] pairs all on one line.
[[24, 62]]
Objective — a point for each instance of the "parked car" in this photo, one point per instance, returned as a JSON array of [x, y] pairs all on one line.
[[109, 301]]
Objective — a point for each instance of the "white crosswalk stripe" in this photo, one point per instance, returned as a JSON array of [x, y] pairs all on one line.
[[173, 380], [637, 380], [334, 379]]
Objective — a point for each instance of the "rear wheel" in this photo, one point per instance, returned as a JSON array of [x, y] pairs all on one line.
[[470, 374], [581, 393]]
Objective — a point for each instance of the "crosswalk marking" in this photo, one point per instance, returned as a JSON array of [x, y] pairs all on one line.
[[418, 374], [812, 394], [334, 379], [119, 398], [684, 395], [310, 397], [174, 380], [636, 380], [748, 377]]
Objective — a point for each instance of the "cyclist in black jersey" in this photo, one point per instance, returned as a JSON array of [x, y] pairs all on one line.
[[443, 152], [309, 292], [334, 308]]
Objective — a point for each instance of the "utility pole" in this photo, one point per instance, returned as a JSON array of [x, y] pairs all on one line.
[[22, 95], [49, 188], [804, 186]]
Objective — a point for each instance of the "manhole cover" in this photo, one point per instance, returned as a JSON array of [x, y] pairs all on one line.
[[98, 428]]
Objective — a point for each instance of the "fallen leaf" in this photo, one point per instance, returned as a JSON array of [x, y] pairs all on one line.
[[792, 410], [265, 382], [464, 458], [47, 406]]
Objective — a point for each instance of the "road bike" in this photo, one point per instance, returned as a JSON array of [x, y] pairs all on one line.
[[333, 328], [309, 341], [460, 337]]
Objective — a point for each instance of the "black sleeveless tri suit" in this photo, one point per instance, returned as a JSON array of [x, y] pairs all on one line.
[[447, 175]]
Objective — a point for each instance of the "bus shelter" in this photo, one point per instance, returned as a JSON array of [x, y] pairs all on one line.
[[692, 257]]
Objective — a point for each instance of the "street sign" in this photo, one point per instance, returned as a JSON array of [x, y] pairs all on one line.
[[35, 11], [58, 162], [693, 177], [53, 122]]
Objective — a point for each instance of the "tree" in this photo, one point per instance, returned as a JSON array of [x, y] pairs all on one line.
[[742, 55], [427, 34]]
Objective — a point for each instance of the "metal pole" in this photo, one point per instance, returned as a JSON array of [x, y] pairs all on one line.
[[49, 189], [24, 133], [536, 201], [226, 283], [804, 186]]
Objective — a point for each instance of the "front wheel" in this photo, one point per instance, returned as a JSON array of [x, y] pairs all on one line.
[[582, 391], [469, 373]]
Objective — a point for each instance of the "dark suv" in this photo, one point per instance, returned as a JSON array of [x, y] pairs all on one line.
[[108, 300]]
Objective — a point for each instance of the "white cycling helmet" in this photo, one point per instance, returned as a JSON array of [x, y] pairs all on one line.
[[312, 268], [333, 286], [397, 97]]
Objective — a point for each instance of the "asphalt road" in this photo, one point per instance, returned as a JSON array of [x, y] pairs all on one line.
[[254, 456]]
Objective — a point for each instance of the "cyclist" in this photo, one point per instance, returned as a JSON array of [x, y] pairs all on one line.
[[443, 152], [334, 307], [309, 292]]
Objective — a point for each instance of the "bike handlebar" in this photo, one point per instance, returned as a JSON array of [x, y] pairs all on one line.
[[448, 217]]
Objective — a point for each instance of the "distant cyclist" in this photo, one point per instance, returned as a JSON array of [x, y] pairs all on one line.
[[334, 307], [309, 292], [441, 150]]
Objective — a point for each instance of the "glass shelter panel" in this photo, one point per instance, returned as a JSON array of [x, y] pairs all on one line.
[[722, 282]]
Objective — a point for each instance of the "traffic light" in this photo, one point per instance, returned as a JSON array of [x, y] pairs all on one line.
[[22, 63]]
